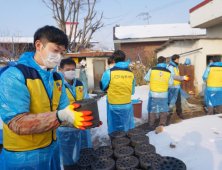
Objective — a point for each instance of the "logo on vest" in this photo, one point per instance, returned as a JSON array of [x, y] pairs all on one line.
[[123, 76], [80, 89], [58, 86], [161, 74]]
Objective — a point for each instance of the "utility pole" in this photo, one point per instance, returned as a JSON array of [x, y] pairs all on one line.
[[148, 17]]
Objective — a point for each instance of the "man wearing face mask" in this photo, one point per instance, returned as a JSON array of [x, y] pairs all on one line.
[[34, 103], [72, 140], [175, 90]]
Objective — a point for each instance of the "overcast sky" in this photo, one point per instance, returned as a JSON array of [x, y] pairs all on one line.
[[26, 16]]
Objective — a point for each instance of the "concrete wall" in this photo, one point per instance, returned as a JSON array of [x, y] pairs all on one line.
[[215, 31], [90, 72], [207, 15], [142, 48], [198, 58]]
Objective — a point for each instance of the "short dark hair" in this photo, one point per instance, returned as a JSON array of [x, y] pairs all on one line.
[[67, 61], [216, 58], [119, 56], [175, 56], [110, 60], [51, 34], [161, 59]]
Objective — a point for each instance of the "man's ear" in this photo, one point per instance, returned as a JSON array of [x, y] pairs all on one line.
[[38, 45]]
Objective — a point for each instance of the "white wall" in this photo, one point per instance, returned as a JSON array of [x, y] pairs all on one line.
[[215, 31], [90, 73], [198, 58], [207, 15]]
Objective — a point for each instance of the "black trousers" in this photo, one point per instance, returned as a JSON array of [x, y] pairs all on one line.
[[178, 104]]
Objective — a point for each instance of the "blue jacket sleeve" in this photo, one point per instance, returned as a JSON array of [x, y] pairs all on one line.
[[14, 94], [171, 68], [64, 100], [170, 80], [147, 76], [206, 74], [85, 94], [104, 84], [133, 86]]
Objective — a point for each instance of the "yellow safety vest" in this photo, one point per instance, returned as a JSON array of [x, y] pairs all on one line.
[[177, 73], [79, 92], [120, 86], [159, 79], [215, 77], [39, 103]]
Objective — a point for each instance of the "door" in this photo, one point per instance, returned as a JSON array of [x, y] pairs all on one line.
[[99, 69], [187, 86]]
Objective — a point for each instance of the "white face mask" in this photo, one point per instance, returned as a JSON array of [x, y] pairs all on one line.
[[52, 59], [69, 75]]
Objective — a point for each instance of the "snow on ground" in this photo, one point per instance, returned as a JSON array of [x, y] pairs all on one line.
[[198, 142], [100, 134]]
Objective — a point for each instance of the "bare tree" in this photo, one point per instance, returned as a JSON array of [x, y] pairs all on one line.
[[11, 48], [69, 11]]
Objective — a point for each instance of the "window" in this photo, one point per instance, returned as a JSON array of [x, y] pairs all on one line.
[[209, 58]]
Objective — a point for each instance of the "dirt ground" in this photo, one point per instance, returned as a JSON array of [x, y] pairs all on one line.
[[188, 112]]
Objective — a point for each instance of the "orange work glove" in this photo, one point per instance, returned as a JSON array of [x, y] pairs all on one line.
[[186, 78], [79, 119]]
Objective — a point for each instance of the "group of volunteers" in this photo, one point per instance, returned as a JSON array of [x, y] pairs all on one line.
[[119, 82], [165, 89], [41, 128]]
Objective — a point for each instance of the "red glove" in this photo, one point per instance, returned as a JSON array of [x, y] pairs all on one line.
[[186, 78], [100, 124]]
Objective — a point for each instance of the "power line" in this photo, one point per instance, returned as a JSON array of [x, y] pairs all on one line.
[[158, 8], [151, 11], [167, 5]]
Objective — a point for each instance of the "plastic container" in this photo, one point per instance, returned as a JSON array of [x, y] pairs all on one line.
[[137, 108], [90, 105], [187, 62]]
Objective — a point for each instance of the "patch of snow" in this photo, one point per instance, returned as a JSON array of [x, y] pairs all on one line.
[[98, 134], [17, 39], [92, 95], [155, 31], [196, 143], [101, 132]]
